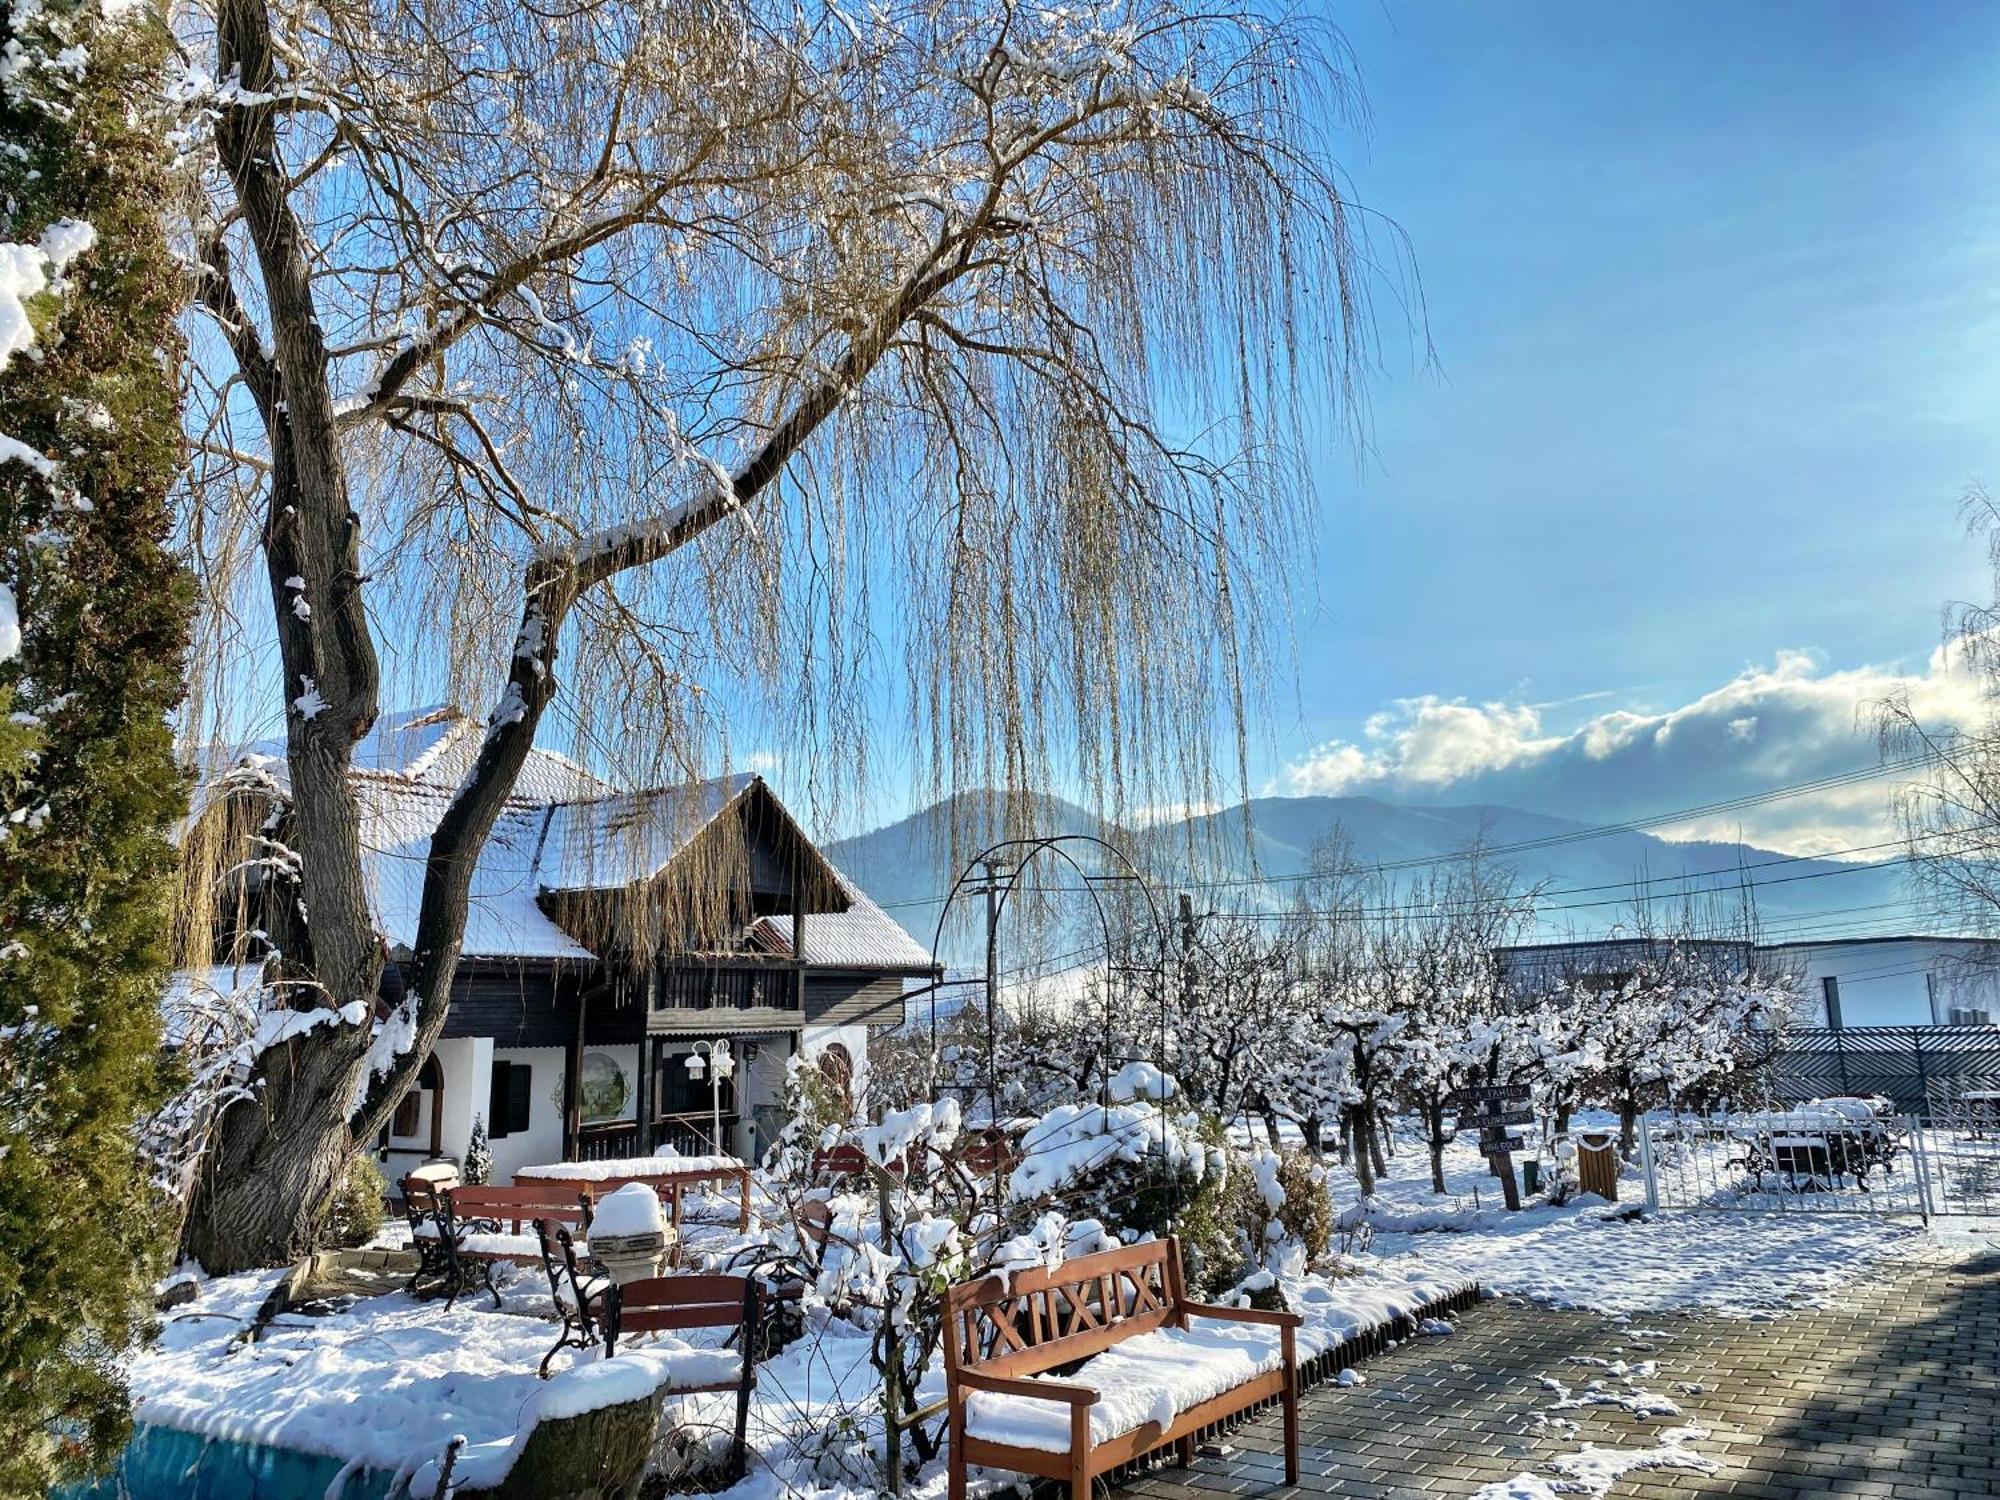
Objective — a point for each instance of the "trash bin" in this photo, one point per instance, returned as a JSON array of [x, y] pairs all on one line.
[[1597, 1163]]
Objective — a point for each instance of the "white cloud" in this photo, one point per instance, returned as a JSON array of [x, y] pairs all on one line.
[[1792, 721]]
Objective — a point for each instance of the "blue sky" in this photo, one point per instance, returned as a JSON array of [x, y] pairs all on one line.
[[1713, 295]]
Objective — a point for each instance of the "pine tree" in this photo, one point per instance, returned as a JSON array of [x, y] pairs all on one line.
[[90, 444], [478, 1166]]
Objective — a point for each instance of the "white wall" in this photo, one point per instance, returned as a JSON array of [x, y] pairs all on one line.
[[542, 1141], [467, 1062], [1902, 982]]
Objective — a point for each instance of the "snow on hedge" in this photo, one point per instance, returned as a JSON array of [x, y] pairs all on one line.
[[389, 1382], [1073, 1140], [632, 1376]]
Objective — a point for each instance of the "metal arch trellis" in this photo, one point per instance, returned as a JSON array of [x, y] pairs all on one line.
[[1021, 853]]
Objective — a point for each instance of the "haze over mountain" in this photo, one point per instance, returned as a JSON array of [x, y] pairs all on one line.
[[1590, 877]]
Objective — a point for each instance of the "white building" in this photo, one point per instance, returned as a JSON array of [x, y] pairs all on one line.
[[1897, 981]]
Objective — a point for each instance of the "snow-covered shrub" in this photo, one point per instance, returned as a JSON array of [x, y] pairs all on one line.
[[356, 1216], [1290, 1204], [1141, 1169], [1558, 1173]]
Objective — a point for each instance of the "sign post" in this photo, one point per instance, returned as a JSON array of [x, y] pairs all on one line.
[[1490, 1109]]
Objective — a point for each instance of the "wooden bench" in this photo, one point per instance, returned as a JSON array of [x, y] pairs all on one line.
[[1091, 1313], [484, 1227], [662, 1304]]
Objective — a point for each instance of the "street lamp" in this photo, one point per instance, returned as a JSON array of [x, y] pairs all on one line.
[[724, 1061]]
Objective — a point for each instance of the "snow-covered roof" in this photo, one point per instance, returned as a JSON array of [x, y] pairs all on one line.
[[503, 919], [611, 841], [436, 747], [862, 937], [563, 831]]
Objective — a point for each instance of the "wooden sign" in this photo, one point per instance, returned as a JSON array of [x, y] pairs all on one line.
[[1511, 1092], [1503, 1117], [1484, 1108]]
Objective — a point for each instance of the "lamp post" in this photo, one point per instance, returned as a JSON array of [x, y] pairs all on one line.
[[723, 1061]]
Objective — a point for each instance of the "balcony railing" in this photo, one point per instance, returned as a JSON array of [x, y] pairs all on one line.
[[726, 989]]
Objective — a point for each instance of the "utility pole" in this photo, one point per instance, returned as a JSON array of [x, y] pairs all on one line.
[[994, 870]]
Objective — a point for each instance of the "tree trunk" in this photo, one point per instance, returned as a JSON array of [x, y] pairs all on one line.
[[1434, 1118], [1315, 1148], [1367, 1156], [274, 1162], [1376, 1131]]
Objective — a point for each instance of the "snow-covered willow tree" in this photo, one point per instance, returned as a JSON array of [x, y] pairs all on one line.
[[661, 360], [1949, 811]]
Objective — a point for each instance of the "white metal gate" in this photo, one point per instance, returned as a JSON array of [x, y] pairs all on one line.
[[1807, 1160]]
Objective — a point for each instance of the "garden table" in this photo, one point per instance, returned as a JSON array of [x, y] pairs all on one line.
[[669, 1176]]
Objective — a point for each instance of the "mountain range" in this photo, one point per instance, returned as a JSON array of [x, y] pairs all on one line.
[[1247, 856]]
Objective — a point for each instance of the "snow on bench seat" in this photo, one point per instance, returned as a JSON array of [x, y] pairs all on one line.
[[488, 1246], [1152, 1378]]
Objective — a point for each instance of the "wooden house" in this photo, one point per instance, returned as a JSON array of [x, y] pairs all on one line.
[[614, 936]]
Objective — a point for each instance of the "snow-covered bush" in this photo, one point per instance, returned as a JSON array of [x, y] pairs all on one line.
[[1304, 1211], [356, 1216]]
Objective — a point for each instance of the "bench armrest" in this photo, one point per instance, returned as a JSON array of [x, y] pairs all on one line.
[[1036, 1390], [1276, 1318]]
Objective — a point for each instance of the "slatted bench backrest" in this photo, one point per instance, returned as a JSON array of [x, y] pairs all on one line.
[[660, 1304], [519, 1205], [1037, 1321]]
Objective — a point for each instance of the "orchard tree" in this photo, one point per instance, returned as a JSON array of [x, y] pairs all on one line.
[[630, 355], [93, 628], [1444, 937]]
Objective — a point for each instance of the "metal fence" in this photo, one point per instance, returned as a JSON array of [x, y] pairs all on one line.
[[1817, 1161], [1919, 1068], [1785, 1161]]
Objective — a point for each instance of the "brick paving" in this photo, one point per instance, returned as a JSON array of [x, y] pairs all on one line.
[[1891, 1395]]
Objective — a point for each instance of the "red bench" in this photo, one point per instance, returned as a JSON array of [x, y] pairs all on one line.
[[661, 1304], [1144, 1379], [455, 1229]]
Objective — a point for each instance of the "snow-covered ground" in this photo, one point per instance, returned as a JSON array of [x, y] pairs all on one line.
[[387, 1383], [1588, 1254]]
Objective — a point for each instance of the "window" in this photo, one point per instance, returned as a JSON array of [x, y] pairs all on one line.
[[409, 1116], [510, 1101], [836, 1066], [1965, 1015], [1830, 987]]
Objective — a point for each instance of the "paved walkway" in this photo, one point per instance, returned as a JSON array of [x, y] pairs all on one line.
[[1892, 1395]]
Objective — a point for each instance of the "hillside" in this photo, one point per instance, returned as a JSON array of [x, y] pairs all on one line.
[[1588, 876]]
